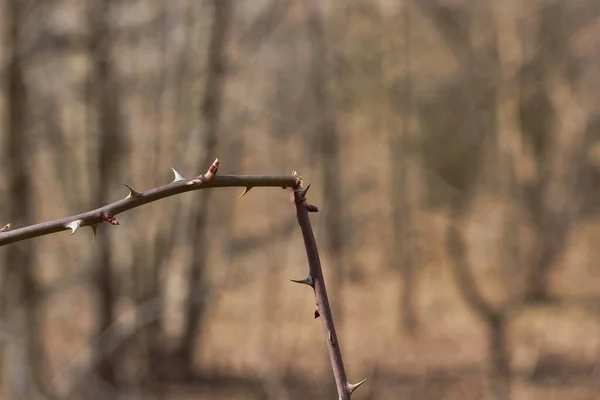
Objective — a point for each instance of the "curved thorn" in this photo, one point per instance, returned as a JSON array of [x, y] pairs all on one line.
[[6, 227], [94, 231], [132, 192], [178, 176], [353, 386], [246, 190], [306, 281], [74, 225]]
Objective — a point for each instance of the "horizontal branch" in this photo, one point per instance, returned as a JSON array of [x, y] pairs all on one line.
[[135, 199]]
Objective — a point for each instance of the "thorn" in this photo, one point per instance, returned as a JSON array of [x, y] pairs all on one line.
[[317, 315], [248, 188], [212, 170], [178, 176], [112, 220], [306, 281], [312, 208], [6, 228], [132, 192], [304, 191], [94, 231], [353, 386], [74, 225]]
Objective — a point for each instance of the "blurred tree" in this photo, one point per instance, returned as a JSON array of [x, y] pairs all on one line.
[[328, 138], [105, 106], [210, 117], [20, 304], [461, 126], [404, 252]]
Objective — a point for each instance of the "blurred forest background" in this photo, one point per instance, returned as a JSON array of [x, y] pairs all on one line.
[[453, 148]]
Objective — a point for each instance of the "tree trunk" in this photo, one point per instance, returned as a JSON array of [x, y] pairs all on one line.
[[210, 113]]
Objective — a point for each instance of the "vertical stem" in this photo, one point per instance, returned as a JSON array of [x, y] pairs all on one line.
[[314, 262]]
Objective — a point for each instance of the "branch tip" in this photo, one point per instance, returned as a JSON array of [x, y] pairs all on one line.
[[73, 226], [353, 386], [246, 190], [132, 192], [306, 281], [178, 176], [6, 227]]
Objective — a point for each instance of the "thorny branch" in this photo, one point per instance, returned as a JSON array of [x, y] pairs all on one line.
[[210, 179], [135, 199], [316, 281]]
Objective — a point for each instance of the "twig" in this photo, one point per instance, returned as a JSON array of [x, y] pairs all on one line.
[[135, 199], [316, 281]]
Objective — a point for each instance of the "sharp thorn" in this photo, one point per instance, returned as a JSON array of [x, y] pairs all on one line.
[[74, 225], [304, 191], [178, 176], [6, 228], [353, 386], [246, 190], [94, 231], [317, 315], [306, 281], [132, 192]]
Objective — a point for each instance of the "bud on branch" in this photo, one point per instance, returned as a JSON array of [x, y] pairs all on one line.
[[135, 199]]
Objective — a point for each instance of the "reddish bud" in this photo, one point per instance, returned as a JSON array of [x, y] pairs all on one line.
[[312, 208], [110, 219]]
